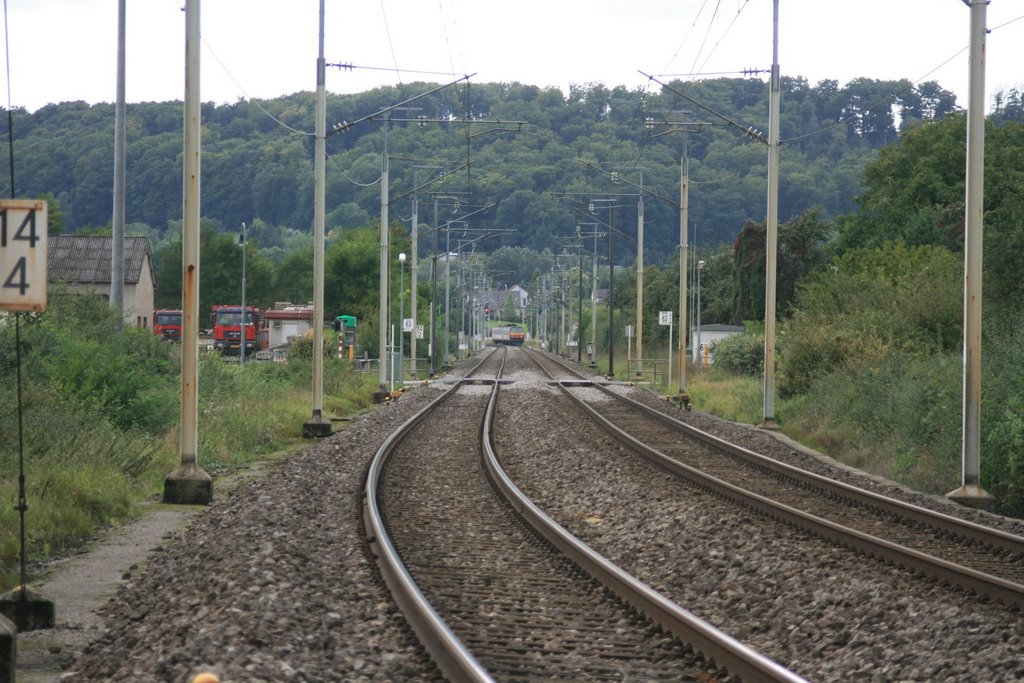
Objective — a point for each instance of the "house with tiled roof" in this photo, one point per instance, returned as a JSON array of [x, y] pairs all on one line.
[[82, 263]]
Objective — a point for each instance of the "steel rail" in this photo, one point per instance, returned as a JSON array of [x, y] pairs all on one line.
[[725, 650], [971, 580], [456, 662], [938, 520], [947, 523]]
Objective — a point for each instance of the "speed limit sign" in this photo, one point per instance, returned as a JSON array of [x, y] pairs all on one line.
[[22, 255]]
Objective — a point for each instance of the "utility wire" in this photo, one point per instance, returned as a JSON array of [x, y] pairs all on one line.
[[885, 102], [10, 106], [22, 506], [694, 71], [391, 43], [447, 41], [350, 67]]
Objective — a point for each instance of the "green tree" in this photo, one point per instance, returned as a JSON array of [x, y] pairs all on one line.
[[352, 281], [54, 215], [517, 265], [914, 191], [255, 168], [802, 248], [220, 273], [871, 304], [293, 280]]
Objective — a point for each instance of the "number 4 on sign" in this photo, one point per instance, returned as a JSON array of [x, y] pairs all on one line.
[[23, 225]]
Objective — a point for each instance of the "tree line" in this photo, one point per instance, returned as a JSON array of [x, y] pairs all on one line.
[[257, 156]]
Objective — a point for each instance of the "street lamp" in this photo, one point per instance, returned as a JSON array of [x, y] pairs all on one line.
[[700, 351], [242, 340], [401, 308]]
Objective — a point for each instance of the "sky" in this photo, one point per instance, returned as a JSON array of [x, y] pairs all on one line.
[[65, 50]]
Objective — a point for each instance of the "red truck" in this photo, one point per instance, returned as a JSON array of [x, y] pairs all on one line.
[[227, 329], [167, 324]]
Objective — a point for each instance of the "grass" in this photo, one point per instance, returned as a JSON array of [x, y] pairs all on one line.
[[832, 427], [734, 397], [83, 472]]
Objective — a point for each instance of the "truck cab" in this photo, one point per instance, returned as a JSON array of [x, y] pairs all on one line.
[[228, 325], [167, 324]]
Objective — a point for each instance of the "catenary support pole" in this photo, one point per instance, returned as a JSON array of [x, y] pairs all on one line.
[[385, 250], [433, 292], [579, 312], [684, 208], [447, 293], [117, 221], [401, 315], [640, 279], [771, 242], [243, 337], [316, 426], [593, 305], [971, 493], [189, 484], [611, 292], [414, 282]]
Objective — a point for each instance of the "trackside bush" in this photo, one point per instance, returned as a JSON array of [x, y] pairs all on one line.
[[101, 420], [1002, 415], [742, 354], [869, 305], [898, 416], [301, 348]]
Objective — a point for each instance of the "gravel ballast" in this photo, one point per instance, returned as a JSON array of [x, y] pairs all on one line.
[[273, 582]]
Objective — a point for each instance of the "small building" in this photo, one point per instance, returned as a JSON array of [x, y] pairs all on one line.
[[709, 335], [286, 321], [82, 262], [498, 300], [520, 296]]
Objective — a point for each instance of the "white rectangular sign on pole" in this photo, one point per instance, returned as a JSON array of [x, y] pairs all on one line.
[[419, 331], [665, 318], [407, 324], [23, 224]]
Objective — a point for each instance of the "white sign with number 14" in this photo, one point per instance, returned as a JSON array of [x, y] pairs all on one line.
[[22, 255]]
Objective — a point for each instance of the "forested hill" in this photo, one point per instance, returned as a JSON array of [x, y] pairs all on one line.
[[535, 177]]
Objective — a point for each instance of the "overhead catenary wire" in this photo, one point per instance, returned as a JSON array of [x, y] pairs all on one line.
[[22, 506]]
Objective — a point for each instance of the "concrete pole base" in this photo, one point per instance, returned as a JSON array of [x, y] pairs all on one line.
[[681, 400], [316, 429], [770, 425], [27, 612], [973, 496], [188, 485], [8, 649]]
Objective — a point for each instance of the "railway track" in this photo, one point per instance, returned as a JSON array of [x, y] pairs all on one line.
[[978, 559], [293, 546], [489, 585]]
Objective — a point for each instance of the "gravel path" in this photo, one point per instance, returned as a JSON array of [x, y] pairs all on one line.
[[79, 585], [270, 583]]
